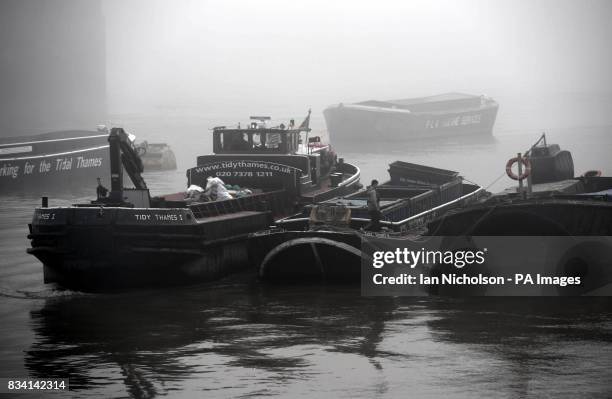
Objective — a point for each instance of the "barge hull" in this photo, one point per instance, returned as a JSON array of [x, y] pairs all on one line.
[[53, 162], [299, 256], [346, 124], [114, 248], [529, 218], [145, 267]]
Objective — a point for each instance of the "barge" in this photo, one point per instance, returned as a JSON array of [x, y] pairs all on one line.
[[56, 161], [129, 239], [444, 115], [324, 240], [548, 200], [571, 216]]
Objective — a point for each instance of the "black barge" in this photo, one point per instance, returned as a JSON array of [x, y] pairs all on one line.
[[324, 241], [130, 239], [548, 201], [567, 217]]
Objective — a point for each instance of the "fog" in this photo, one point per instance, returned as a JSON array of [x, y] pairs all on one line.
[[239, 57], [68, 64]]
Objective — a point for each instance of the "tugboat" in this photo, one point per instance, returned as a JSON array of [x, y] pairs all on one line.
[[130, 239], [276, 158], [156, 156], [324, 241], [55, 161]]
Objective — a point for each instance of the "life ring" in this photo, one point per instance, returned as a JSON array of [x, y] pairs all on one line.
[[526, 168]]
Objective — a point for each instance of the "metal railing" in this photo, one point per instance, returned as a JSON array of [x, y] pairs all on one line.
[[275, 201]]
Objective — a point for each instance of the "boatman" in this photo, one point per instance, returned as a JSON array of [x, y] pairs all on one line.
[[373, 207]]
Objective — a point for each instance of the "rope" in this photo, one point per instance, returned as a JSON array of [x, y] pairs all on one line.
[[495, 181], [489, 186]]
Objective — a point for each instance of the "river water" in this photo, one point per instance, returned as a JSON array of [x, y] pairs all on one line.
[[240, 338]]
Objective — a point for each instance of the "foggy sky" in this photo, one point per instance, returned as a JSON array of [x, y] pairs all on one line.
[[225, 56], [52, 65]]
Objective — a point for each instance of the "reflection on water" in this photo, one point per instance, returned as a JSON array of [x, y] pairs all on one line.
[[239, 338], [206, 337]]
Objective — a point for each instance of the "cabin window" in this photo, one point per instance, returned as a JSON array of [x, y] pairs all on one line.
[[241, 141], [273, 141], [236, 141], [258, 140]]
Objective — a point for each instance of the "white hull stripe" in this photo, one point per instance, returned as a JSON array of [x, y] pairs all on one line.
[[53, 140], [59, 154]]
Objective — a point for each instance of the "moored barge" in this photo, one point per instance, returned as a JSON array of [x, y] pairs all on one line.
[[324, 242], [569, 217], [549, 200], [444, 115], [56, 161]]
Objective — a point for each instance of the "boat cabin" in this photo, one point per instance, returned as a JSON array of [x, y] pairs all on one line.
[[255, 141]]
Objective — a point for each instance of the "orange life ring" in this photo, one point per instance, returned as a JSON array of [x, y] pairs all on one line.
[[526, 168]]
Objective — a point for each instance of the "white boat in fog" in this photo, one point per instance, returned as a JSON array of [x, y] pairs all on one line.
[[398, 120], [53, 161]]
